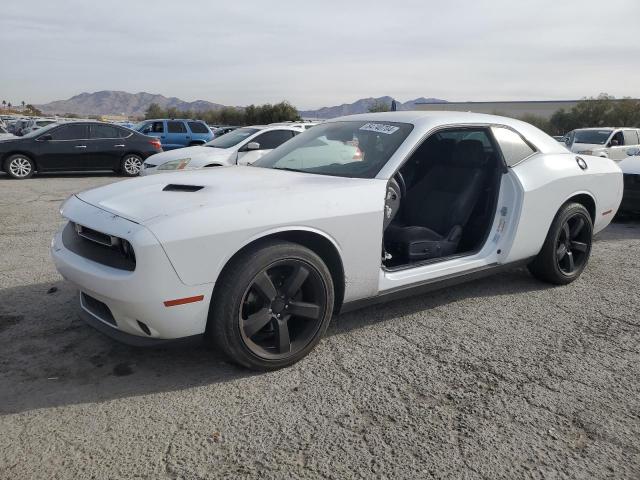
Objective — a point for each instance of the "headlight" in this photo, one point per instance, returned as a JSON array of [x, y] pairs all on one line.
[[179, 164], [585, 152]]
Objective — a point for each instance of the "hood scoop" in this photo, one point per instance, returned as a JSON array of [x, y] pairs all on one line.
[[174, 187]]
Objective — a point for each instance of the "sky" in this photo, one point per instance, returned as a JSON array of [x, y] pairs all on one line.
[[320, 53]]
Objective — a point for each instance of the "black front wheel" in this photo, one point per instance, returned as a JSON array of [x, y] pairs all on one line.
[[566, 250], [271, 305], [19, 166]]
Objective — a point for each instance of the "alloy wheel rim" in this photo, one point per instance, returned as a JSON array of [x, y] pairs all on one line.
[[132, 165], [282, 309], [573, 245], [20, 167]]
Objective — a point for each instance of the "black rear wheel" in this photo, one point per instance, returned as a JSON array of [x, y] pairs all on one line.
[[566, 250], [271, 306], [131, 165]]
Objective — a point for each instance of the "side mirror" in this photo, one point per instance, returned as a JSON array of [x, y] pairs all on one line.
[[614, 143], [633, 152], [253, 146], [45, 138], [146, 130]]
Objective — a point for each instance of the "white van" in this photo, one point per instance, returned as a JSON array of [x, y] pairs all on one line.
[[605, 142]]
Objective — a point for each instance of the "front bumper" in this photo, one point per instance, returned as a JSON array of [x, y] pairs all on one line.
[[134, 299]]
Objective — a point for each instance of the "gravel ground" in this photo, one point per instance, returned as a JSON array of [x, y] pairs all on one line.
[[504, 377]]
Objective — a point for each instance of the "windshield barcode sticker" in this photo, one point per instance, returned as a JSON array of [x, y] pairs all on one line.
[[380, 128]]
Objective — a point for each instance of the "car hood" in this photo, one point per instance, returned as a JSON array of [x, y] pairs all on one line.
[[195, 152], [153, 198]]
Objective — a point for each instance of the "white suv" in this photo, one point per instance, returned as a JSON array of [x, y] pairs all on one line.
[[242, 146], [605, 142]]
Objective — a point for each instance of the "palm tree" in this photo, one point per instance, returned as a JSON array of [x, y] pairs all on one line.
[[4, 104], [9, 105], [23, 104]]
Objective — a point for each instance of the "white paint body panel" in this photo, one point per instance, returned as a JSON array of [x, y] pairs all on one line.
[[184, 239]]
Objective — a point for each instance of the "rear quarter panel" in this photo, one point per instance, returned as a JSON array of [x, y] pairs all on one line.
[[550, 180]]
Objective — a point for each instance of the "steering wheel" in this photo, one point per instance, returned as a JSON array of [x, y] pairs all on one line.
[[401, 183], [396, 190]]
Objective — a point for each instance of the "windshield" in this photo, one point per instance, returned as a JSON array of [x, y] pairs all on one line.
[[598, 137], [357, 149], [231, 139]]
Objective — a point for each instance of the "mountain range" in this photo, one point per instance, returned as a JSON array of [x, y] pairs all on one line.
[[110, 102]]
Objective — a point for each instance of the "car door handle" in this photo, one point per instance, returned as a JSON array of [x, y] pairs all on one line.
[[121, 145], [81, 146]]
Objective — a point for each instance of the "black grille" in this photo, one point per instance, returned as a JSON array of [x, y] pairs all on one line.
[[95, 236], [97, 309], [113, 255], [631, 180]]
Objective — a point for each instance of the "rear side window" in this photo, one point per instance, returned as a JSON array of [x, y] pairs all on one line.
[[70, 132], [631, 137], [197, 127], [273, 139], [105, 131], [514, 148], [176, 127]]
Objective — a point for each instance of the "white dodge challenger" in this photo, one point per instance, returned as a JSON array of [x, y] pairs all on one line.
[[257, 259]]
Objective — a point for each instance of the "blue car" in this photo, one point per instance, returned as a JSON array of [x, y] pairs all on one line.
[[176, 133]]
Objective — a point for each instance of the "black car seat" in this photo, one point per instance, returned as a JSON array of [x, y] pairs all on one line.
[[438, 207]]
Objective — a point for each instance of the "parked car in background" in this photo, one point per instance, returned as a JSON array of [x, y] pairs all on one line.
[[257, 259], [630, 167], [4, 135], [610, 143], [176, 133], [219, 131], [17, 126], [77, 146], [242, 146], [305, 124], [36, 124]]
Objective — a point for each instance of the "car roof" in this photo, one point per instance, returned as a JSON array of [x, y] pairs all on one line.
[[425, 121]]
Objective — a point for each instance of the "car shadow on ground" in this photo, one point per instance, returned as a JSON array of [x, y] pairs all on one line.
[[624, 227], [50, 357]]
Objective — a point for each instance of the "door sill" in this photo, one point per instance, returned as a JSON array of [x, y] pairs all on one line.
[[432, 284]]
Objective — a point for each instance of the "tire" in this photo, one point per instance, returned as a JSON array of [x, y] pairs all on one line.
[[19, 166], [567, 248], [131, 165], [250, 316]]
